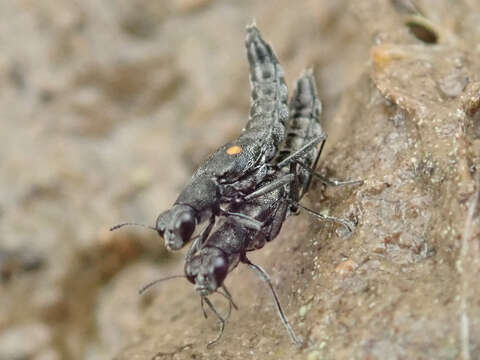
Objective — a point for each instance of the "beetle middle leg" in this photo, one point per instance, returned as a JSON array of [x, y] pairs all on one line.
[[284, 180], [295, 198], [294, 156], [243, 219], [204, 233], [346, 223], [325, 180], [295, 205]]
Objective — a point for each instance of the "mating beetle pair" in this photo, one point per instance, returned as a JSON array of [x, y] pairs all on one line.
[[252, 183]]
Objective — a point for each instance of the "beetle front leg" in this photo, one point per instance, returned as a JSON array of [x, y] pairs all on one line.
[[284, 180], [245, 220], [206, 231]]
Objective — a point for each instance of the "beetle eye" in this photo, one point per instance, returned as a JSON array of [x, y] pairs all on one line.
[[185, 226], [220, 269]]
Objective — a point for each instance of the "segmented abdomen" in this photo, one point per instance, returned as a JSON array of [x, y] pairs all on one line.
[[269, 95], [304, 124]]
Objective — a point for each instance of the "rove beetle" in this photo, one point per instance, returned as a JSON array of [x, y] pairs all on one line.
[[237, 168]]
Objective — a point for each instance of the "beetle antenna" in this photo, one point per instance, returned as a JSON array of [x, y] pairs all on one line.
[[113, 228], [155, 282], [220, 319]]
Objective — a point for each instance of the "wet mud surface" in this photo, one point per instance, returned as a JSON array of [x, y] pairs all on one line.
[[107, 108]]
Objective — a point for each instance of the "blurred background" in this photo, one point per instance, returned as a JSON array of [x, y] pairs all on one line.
[[106, 108]]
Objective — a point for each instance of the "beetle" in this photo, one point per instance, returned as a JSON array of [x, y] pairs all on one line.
[[238, 167]]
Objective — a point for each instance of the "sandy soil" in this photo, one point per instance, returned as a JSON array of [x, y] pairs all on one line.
[[108, 107]]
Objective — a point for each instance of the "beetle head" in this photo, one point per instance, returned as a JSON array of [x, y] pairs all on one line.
[[176, 226], [207, 269]]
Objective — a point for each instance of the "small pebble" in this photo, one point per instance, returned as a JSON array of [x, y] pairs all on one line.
[[346, 267], [453, 85], [303, 311]]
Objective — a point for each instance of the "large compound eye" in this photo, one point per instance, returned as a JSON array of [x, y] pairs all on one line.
[[185, 226], [220, 269]]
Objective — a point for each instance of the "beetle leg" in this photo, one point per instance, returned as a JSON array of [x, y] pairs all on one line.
[[294, 156], [206, 231], [288, 178], [243, 219], [264, 276], [347, 223], [328, 181]]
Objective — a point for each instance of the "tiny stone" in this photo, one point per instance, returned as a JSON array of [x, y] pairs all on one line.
[[303, 311], [343, 232], [452, 85], [346, 267]]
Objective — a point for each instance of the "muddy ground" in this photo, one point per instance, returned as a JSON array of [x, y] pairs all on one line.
[[108, 107]]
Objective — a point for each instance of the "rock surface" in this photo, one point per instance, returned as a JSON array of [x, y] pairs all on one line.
[[108, 107]]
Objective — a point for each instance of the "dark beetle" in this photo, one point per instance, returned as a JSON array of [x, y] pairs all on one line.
[[208, 263], [238, 167]]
